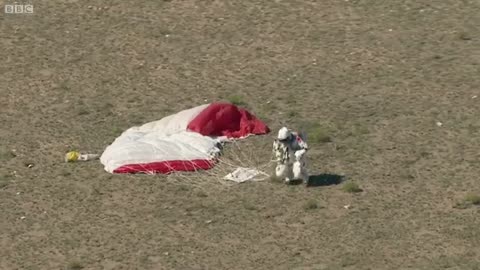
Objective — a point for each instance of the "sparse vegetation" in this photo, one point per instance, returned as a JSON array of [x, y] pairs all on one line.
[[262, 116], [360, 129], [469, 200], [4, 183], [472, 199], [461, 205], [249, 206], [270, 107], [6, 155], [310, 205], [464, 36], [292, 114], [201, 194], [291, 99], [83, 111], [355, 130], [64, 86], [318, 135], [5, 180], [75, 266], [366, 88], [275, 179], [117, 130], [351, 187], [182, 188], [237, 100]]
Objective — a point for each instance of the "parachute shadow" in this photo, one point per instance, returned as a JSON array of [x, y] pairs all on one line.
[[324, 179]]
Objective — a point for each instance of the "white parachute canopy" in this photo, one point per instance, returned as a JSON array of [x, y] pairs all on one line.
[[186, 141]]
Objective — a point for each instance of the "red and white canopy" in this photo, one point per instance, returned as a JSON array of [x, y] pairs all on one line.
[[185, 141]]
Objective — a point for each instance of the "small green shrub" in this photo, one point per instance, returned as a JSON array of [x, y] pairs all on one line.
[[5, 180], [351, 187], [292, 114], [249, 206], [464, 36], [6, 155], [75, 266], [469, 200], [318, 134], [237, 100], [472, 199], [461, 205], [201, 194], [310, 205], [3, 183]]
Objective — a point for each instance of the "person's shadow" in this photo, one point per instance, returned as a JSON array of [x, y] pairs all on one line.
[[324, 179]]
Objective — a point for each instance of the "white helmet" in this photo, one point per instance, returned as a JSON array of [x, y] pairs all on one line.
[[283, 134]]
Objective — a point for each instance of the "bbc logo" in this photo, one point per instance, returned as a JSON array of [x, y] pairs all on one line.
[[19, 9]]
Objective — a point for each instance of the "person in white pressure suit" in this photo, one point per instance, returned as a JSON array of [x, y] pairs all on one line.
[[290, 154]]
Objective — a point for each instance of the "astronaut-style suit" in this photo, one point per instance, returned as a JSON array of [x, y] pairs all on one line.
[[290, 149]]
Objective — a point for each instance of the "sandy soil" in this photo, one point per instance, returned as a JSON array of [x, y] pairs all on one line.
[[374, 76]]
